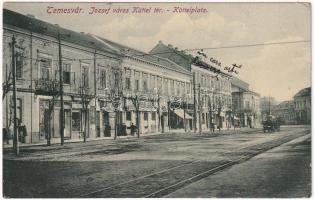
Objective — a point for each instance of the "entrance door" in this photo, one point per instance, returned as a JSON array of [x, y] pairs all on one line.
[[67, 123], [97, 118]]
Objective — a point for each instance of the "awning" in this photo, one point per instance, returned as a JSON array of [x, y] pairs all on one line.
[[180, 113]]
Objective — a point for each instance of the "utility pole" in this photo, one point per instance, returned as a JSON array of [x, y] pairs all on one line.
[[61, 92], [15, 139], [268, 105], [199, 108], [184, 110], [210, 113], [194, 93]]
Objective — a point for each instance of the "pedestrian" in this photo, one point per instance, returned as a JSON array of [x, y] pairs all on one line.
[[23, 132], [212, 126], [5, 133], [133, 129], [219, 124]]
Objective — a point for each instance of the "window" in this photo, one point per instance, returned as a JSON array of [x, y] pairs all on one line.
[[137, 85], [153, 116], [116, 79], [203, 118], [45, 65], [76, 121], [178, 88], [188, 89], [203, 80], [19, 65], [145, 116], [165, 86], [85, 76], [172, 86], [128, 116], [152, 81], [127, 83], [145, 85], [66, 73], [102, 81], [137, 82]]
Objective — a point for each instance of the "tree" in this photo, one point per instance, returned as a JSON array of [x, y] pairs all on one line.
[[136, 104], [6, 85], [158, 92], [50, 88], [86, 96]]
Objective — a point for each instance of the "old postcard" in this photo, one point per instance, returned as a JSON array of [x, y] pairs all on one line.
[[163, 100]]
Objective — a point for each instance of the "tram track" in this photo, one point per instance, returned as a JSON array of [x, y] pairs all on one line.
[[162, 187]]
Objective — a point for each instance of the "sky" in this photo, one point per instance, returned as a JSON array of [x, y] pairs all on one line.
[[271, 70]]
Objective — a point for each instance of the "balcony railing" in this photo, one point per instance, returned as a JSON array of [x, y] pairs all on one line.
[[47, 87]]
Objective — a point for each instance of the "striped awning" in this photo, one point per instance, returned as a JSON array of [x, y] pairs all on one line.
[[180, 113]]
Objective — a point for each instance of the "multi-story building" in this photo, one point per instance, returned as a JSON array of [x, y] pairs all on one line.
[[160, 87], [285, 111], [302, 103], [102, 82], [211, 88], [246, 104]]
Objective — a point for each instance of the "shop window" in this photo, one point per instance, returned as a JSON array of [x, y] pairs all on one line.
[[153, 116], [145, 116], [76, 121], [128, 116], [203, 118]]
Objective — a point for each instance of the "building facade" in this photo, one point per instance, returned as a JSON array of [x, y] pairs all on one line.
[[246, 104], [106, 86], [210, 87], [302, 103], [285, 111]]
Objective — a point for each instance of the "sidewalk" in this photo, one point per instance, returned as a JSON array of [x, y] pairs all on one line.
[[56, 141]]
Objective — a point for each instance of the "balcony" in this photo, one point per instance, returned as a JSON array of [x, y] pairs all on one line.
[[47, 87]]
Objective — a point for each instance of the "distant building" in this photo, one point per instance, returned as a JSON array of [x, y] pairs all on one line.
[[267, 105], [302, 103], [212, 92], [245, 104], [286, 112]]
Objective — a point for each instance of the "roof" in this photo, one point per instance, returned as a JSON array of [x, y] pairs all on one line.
[[128, 51], [41, 27], [304, 92], [183, 59], [34, 25], [239, 83], [286, 103]]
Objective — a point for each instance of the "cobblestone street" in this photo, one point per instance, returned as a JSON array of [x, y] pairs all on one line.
[[150, 166]]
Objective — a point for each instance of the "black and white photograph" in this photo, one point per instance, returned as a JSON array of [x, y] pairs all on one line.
[[156, 99]]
